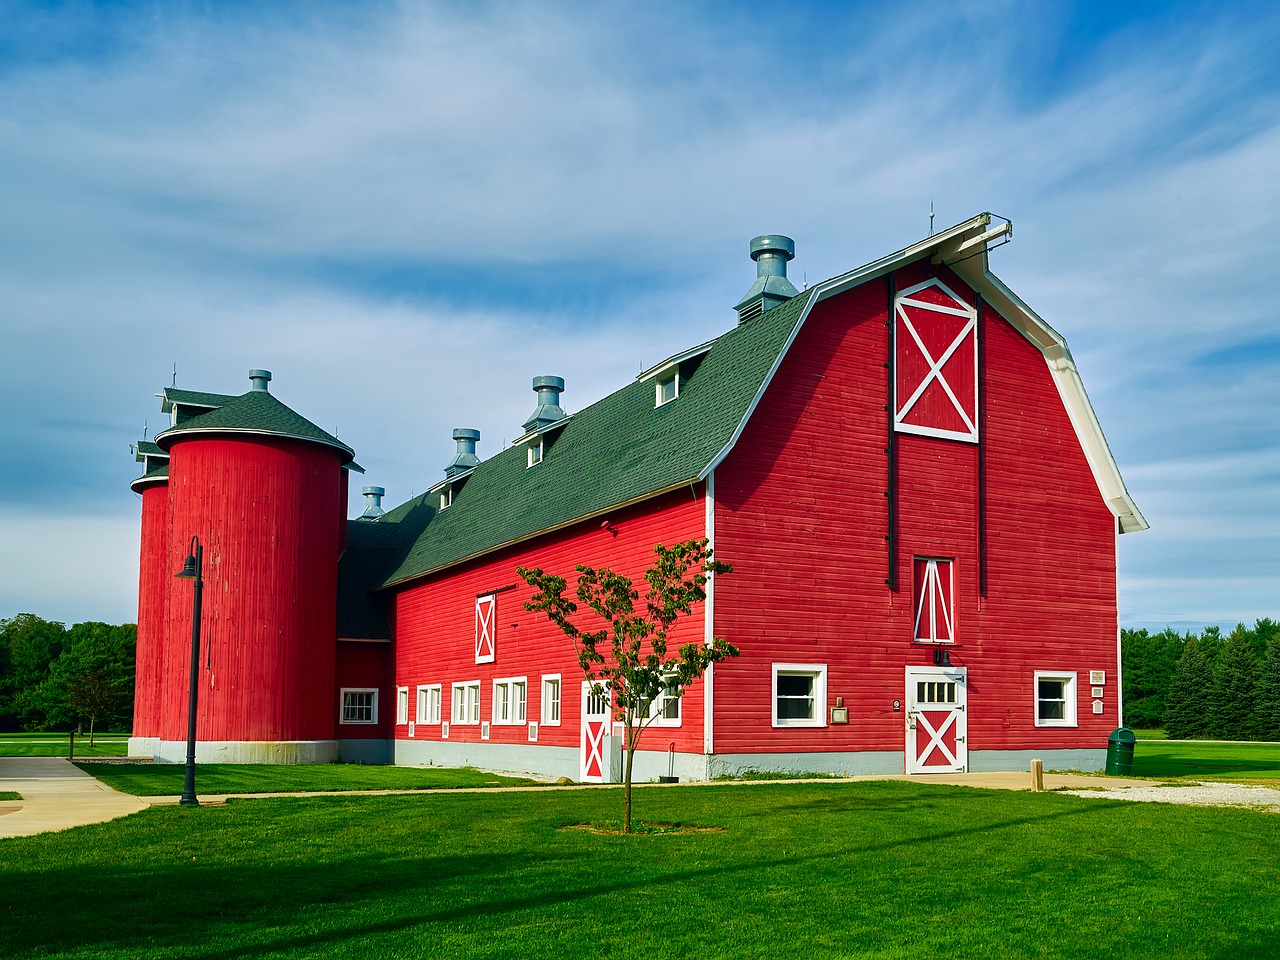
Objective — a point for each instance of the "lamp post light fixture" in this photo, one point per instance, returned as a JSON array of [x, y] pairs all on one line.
[[192, 569]]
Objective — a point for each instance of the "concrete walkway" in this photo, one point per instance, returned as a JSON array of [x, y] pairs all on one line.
[[56, 795]]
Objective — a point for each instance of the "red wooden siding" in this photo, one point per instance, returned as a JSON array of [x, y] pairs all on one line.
[[264, 509], [366, 665], [801, 512], [436, 629], [154, 583]]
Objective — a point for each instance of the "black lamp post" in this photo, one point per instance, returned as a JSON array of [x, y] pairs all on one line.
[[191, 570]]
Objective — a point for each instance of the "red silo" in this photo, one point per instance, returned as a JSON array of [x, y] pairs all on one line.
[[263, 490], [154, 586]]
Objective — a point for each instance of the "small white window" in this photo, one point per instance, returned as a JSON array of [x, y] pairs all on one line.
[[665, 710], [446, 497], [509, 700], [551, 700], [402, 705], [535, 451], [429, 704], [666, 388], [799, 694], [1055, 699], [465, 702], [359, 705]]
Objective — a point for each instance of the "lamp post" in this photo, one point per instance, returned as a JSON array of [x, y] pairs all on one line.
[[191, 570]]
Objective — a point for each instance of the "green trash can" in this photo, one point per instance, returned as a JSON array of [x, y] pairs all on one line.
[[1120, 752]]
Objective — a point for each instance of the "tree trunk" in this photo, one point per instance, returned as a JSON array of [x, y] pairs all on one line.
[[626, 803], [91, 719]]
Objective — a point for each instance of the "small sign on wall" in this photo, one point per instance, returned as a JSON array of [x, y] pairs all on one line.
[[1097, 678], [411, 728], [1097, 706], [484, 730], [1096, 692], [444, 731], [533, 733]]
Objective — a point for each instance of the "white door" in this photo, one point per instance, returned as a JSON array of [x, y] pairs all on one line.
[[937, 731], [595, 735]]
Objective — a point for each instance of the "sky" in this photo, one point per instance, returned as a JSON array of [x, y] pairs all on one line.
[[406, 211]]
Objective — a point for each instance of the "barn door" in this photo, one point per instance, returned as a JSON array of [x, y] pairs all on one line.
[[595, 735], [937, 731]]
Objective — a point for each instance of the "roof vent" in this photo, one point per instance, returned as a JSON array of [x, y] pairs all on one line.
[[548, 410], [260, 379], [465, 458], [771, 253], [373, 502]]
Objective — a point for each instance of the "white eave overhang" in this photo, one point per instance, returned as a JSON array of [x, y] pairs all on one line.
[[675, 361]]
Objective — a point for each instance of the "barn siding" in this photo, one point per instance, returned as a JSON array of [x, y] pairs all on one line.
[[435, 623], [364, 664], [802, 514]]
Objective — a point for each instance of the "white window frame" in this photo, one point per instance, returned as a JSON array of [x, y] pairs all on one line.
[[927, 594], [819, 673], [548, 720], [505, 702], [1070, 693], [657, 709], [446, 497], [428, 707], [662, 380], [402, 706], [536, 452], [464, 710], [342, 704]]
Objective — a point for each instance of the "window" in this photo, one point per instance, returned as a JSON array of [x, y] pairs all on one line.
[[465, 701], [535, 452], [551, 701], [446, 497], [667, 388], [509, 700], [665, 710], [402, 705], [934, 600], [799, 695], [429, 704], [359, 706], [1055, 699], [486, 621]]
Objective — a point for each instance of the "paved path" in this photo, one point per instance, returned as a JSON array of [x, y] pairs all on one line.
[[56, 795]]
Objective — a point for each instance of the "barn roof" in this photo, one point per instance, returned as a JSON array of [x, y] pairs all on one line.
[[623, 449], [362, 614]]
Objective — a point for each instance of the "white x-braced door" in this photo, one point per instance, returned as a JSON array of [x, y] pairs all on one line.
[[937, 728], [595, 735]]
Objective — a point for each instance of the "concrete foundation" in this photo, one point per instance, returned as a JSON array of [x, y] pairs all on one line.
[[250, 751]]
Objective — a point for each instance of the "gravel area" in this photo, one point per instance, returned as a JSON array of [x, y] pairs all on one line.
[[1202, 793]]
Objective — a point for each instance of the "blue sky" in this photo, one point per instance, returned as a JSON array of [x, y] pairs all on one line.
[[406, 211]]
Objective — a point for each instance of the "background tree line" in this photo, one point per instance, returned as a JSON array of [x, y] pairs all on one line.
[[52, 678], [1207, 685]]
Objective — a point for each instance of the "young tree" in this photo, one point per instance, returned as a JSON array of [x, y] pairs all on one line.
[[628, 658], [95, 696], [1231, 707], [1186, 709]]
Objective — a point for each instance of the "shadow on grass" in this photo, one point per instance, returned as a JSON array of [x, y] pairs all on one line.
[[336, 884]]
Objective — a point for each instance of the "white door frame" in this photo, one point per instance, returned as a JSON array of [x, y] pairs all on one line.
[[596, 726], [956, 722]]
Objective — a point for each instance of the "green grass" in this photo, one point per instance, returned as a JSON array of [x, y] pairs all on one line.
[[882, 869], [56, 744], [9, 795], [1153, 733], [166, 779], [1206, 760]]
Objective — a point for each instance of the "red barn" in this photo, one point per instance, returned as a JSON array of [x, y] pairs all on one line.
[[900, 463]]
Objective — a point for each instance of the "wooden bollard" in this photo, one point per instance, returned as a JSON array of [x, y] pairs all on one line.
[[1037, 776]]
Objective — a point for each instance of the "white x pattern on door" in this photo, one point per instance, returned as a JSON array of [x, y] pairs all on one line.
[[904, 306]]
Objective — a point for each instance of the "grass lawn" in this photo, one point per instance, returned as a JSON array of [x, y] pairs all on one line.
[[1152, 733], [55, 745], [165, 779], [1207, 760], [883, 869]]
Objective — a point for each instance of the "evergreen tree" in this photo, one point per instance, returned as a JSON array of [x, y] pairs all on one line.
[[1268, 699], [1231, 707], [1186, 709], [1149, 662]]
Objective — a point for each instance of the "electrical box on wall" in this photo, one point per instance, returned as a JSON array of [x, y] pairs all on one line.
[[839, 714]]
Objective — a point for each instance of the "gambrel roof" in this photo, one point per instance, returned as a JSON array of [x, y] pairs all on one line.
[[623, 448]]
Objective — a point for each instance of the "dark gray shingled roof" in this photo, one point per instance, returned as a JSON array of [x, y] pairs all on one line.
[[255, 412], [620, 449], [362, 614]]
